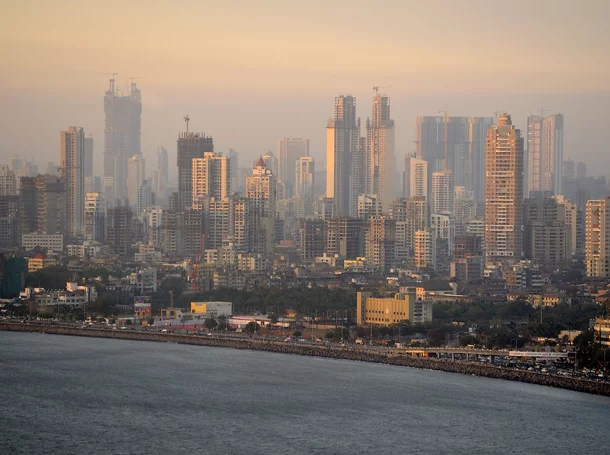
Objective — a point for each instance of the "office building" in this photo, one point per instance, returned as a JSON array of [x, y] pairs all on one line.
[[289, 151], [344, 157], [122, 129], [380, 161], [389, 311], [504, 193], [545, 153], [305, 178], [72, 172]]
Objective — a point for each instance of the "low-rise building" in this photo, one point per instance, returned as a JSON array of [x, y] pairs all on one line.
[[386, 311], [40, 261], [54, 242], [212, 309]]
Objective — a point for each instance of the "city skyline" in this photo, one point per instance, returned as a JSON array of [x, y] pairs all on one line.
[[428, 77]]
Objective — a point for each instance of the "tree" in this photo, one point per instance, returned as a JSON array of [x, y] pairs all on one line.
[[273, 319], [210, 323], [436, 337], [252, 327], [150, 321], [222, 322], [297, 334]]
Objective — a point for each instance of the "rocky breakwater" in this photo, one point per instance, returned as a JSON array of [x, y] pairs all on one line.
[[468, 368]]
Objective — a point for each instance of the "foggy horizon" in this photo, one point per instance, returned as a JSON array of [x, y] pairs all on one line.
[[247, 80]]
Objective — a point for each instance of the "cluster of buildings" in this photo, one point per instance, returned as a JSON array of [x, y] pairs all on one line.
[[476, 200]]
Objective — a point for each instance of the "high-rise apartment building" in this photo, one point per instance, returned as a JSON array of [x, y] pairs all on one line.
[[72, 172], [545, 238], [261, 188], [504, 192], [380, 160], [425, 249], [442, 192], [380, 243], [462, 140], [95, 217], [122, 128], [343, 237], [415, 177], [368, 206], [160, 176], [312, 240], [545, 153], [87, 159], [119, 231], [211, 178], [190, 146], [8, 183], [289, 151], [344, 157], [597, 238], [305, 178], [135, 178]]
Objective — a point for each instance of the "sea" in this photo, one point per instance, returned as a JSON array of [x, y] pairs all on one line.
[[71, 395]]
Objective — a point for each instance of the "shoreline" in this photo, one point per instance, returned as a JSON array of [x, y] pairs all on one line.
[[448, 366]]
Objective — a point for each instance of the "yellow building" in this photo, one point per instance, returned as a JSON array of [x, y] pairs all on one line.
[[387, 311], [40, 261]]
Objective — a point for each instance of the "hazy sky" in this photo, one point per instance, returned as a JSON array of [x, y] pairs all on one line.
[[251, 72]]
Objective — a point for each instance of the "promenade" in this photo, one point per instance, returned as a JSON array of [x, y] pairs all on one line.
[[334, 352]]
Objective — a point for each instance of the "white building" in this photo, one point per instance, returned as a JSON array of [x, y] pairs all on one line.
[[425, 249], [415, 177], [53, 242], [442, 192]]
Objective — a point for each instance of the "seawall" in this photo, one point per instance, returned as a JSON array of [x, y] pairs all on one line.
[[469, 368]]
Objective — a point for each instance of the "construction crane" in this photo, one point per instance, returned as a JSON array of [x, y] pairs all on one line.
[[496, 112], [195, 274], [187, 120], [377, 87]]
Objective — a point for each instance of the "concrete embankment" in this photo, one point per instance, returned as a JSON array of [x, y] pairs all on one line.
[[468, 368]]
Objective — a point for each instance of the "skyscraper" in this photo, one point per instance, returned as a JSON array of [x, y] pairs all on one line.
[[344, 158], [545, 153], [462, 139], [160, 176], [442, 192], [305, 178], [415, 177], [597, 243], [504, 192], [211, 178], [289, 152], [8, 183], [72, 172], [88, 158], [122, 129], [135, 178], [380, 161], [95, 215], [190, 146], [261, 189]]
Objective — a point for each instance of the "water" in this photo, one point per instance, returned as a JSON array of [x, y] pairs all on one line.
[[69, 395]]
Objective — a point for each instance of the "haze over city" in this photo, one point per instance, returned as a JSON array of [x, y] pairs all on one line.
[[277, 226], [251, 73]]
